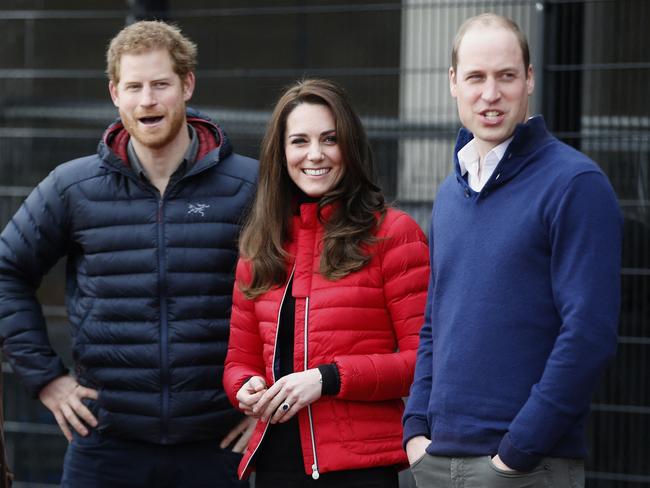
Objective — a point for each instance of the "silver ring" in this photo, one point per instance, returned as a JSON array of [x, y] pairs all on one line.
[[285, 406]]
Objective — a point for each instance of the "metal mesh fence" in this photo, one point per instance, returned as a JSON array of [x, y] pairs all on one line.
[[592, 60]]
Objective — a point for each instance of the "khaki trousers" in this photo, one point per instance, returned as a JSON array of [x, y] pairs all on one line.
[[480, 472]]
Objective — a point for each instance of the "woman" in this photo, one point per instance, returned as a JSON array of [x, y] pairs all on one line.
[[327, 306]]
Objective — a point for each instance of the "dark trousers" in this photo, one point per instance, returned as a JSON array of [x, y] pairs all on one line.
[[380, 477], [480, 472], [101, 461]]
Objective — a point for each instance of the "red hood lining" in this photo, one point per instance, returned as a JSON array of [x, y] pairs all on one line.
[[117, 138]]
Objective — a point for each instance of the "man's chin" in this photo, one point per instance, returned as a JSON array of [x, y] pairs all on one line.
[[495, 135], [155, 138], [152, 141]]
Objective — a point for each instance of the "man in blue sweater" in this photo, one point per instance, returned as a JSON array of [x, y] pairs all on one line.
[[524, 294], [149, 226]]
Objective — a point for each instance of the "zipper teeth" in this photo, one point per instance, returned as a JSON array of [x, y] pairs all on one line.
[[275, 346], [164, 332], [313, 443], [315, 474]]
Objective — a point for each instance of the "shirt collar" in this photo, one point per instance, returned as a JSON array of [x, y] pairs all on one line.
[[188, 158], [469, 155]]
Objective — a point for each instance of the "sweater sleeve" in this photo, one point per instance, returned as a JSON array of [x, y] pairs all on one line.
[[31, 243], [415, 415], [405, 269], [330, 379], [585, 232], [245, 348]]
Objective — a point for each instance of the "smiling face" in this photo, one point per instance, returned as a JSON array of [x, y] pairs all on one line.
[[314, 160], [151, 98], [491, 85]]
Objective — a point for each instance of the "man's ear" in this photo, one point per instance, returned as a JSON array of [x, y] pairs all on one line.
[[530, 79], [452, 82], [189, 82], [112, 89]]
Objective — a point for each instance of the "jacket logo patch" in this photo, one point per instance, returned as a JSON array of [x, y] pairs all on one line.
[[197, 208]]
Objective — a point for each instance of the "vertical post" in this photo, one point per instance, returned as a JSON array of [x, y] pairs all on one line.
[[537, 56], [302, 39], [563, 58], [148, 10]]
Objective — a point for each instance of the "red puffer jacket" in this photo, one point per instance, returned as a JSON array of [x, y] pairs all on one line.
[[366, 323]]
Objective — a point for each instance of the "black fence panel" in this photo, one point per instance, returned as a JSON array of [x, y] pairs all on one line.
[[592, 63], [596, 76]]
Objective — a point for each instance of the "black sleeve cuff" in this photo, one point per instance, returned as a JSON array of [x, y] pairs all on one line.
[[331, 379]]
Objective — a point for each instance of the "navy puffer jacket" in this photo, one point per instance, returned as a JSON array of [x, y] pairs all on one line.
[[149, 283]]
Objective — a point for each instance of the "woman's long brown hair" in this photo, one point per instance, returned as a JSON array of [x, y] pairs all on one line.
[[360, 203]]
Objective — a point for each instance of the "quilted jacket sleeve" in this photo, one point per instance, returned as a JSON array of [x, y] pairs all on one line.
[[245, 351], [31, 243], [405, 267]]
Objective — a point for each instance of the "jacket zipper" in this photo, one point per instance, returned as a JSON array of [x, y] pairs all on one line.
[[275, 348], [165, 379], [164, 331], [162, 285], [314, 467]]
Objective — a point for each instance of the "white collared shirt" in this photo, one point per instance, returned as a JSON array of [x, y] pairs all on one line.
[[468, 159]]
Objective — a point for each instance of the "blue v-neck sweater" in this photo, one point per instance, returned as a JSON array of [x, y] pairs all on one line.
[[523, 305]]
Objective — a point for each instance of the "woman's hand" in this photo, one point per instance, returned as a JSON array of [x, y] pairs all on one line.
[[249, 394], [288, 395]]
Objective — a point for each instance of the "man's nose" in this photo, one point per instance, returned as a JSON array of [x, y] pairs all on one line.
[[147, 97], [491, 92]]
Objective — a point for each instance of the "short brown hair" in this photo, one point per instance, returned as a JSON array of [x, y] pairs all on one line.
[[148, 35], [486, 20]]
